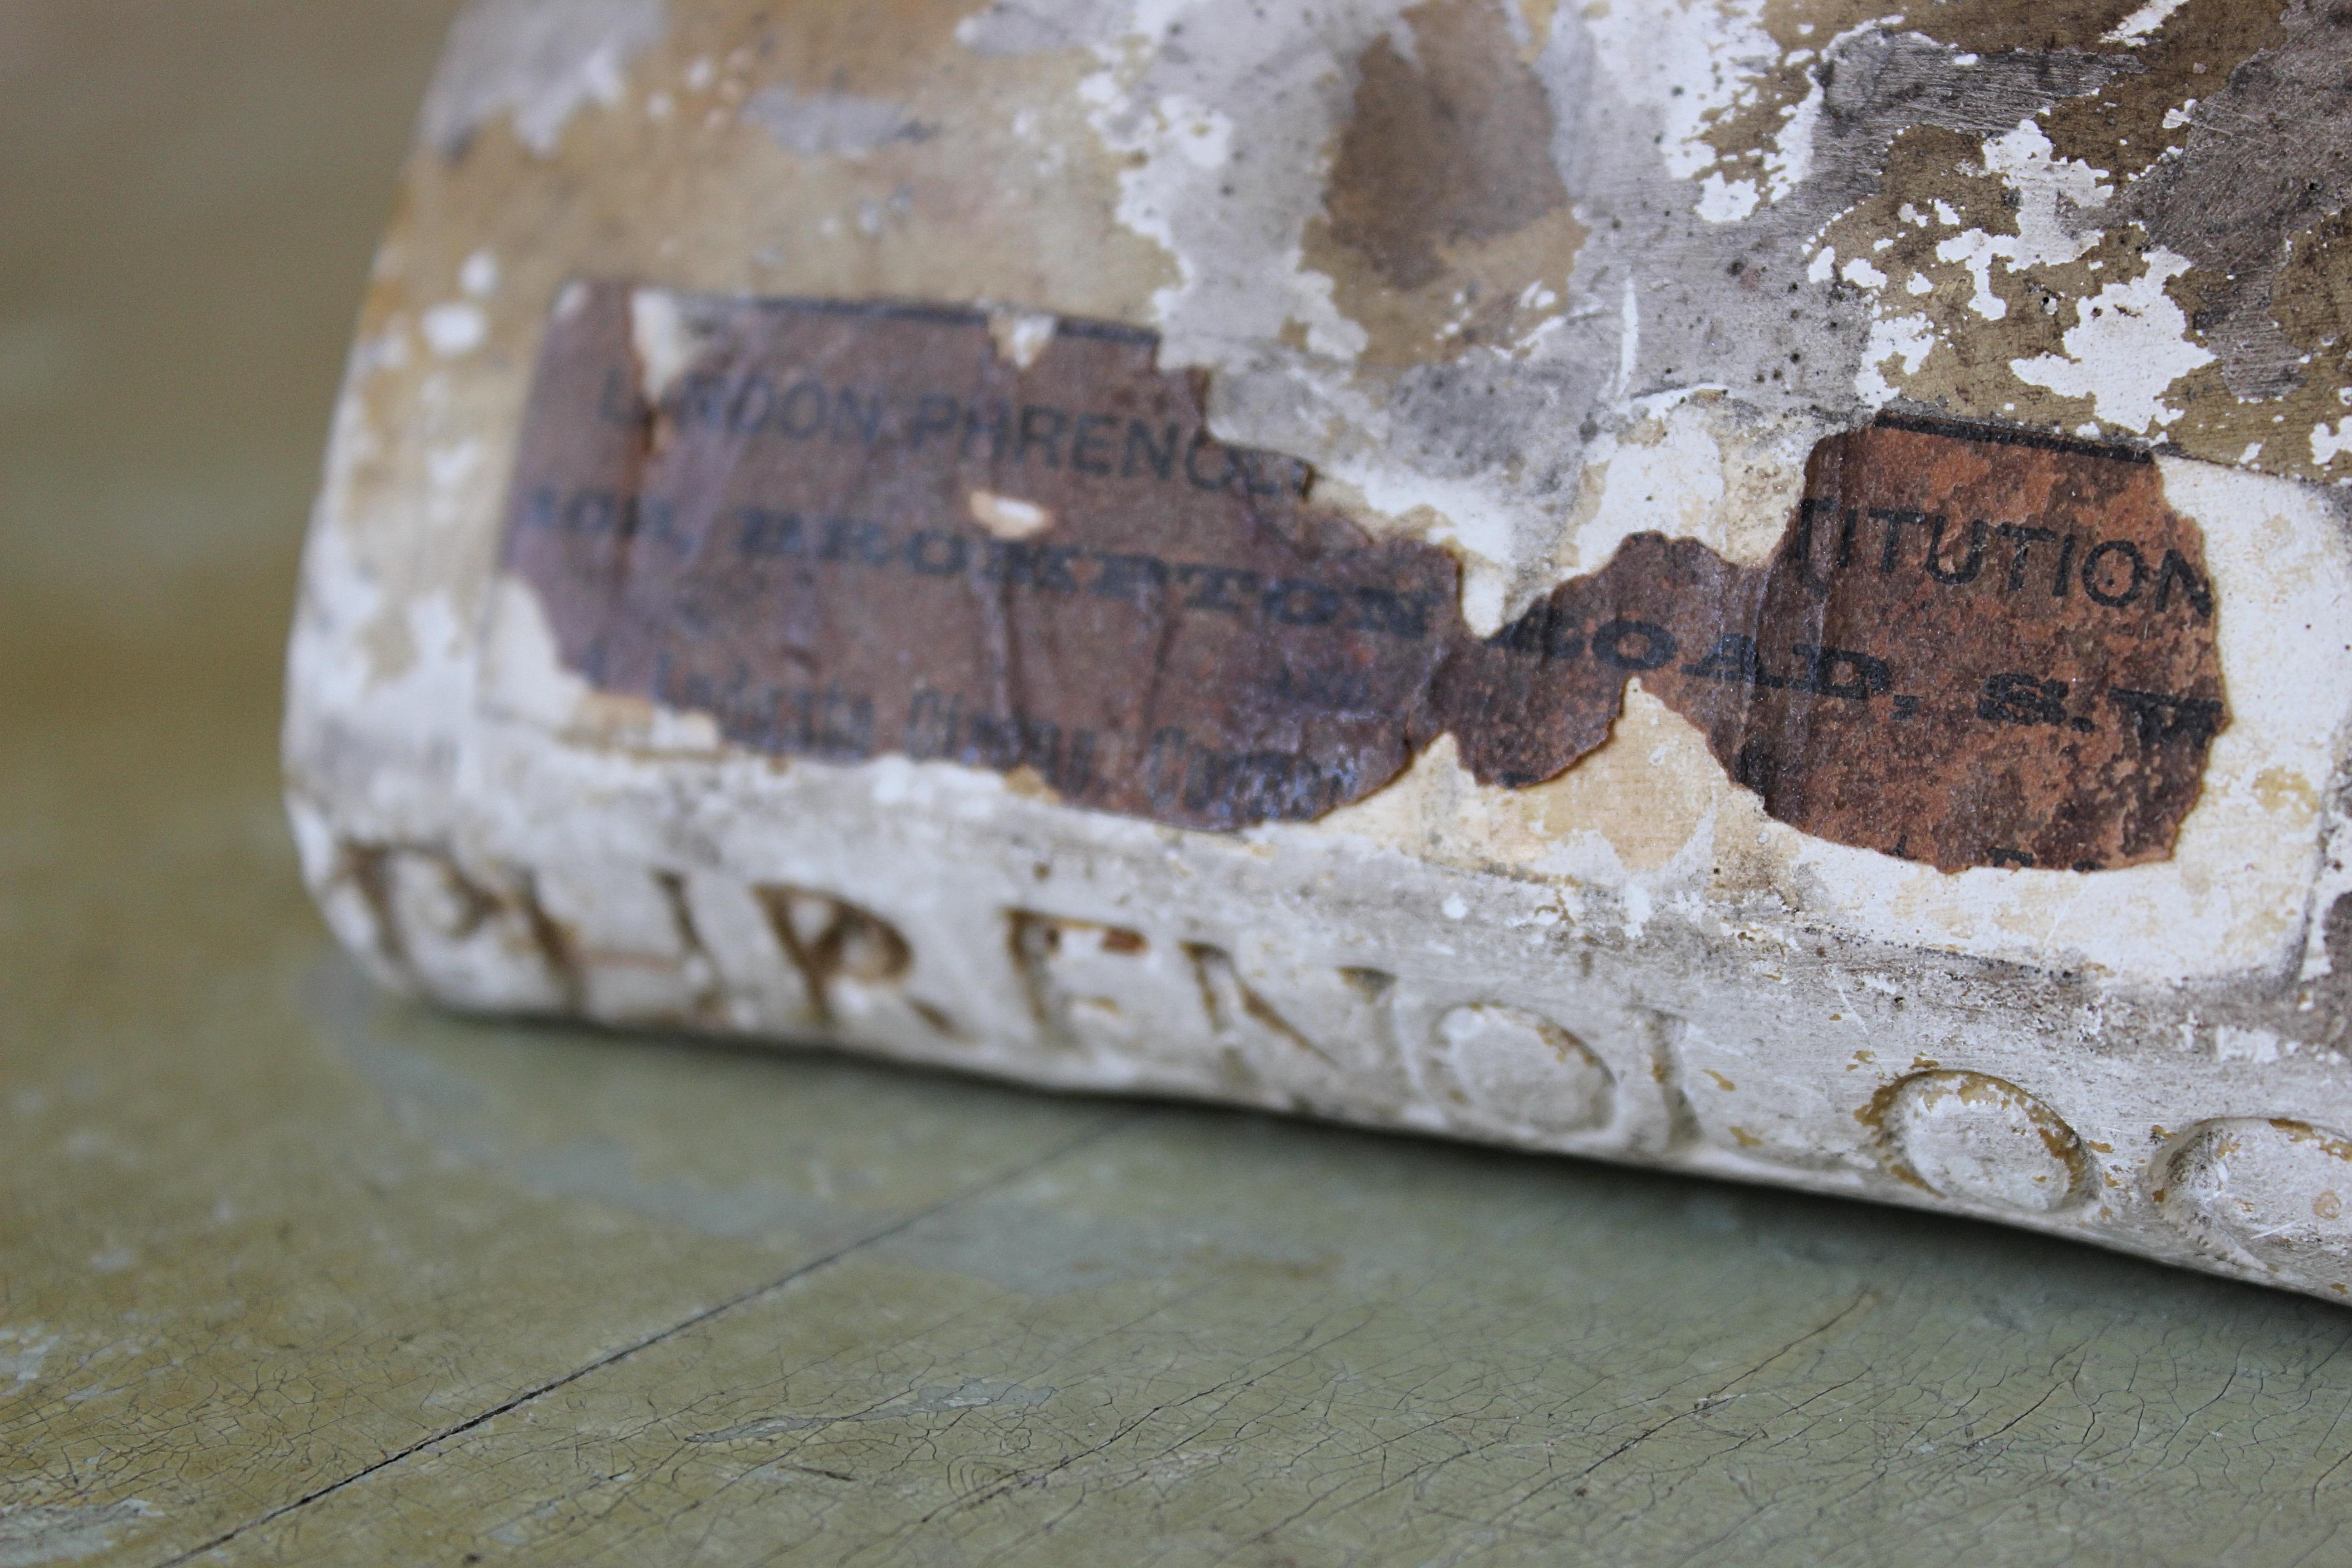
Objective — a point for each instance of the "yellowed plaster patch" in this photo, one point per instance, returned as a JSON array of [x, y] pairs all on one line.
[[1639, 799], [2284, 789]]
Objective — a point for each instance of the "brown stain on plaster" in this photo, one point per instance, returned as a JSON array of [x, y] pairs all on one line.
[[2121, 128], [1443, 210], [884, 48], [2225, 136], [1976, 342], [2265, 158], [1444, 149], [2313, 295], [2311, 301], [1027, 782], [1970, 366], [2281, 789]]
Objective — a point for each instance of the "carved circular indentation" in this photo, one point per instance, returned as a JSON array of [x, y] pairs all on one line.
[[1506, 1068], [1983, 1140], [2263, 1193], [429, 896]]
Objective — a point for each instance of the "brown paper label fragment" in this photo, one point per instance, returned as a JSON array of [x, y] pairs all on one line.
[[845, 530]]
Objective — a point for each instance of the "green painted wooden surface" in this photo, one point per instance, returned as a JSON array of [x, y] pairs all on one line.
[[291, 1272]]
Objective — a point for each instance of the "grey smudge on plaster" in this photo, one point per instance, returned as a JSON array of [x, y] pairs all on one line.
[[1874, 84], [972, 1394], [2267, 156], [838, 124], [62, 1532], [1038, 27], [540, 60], [1700, 321]]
